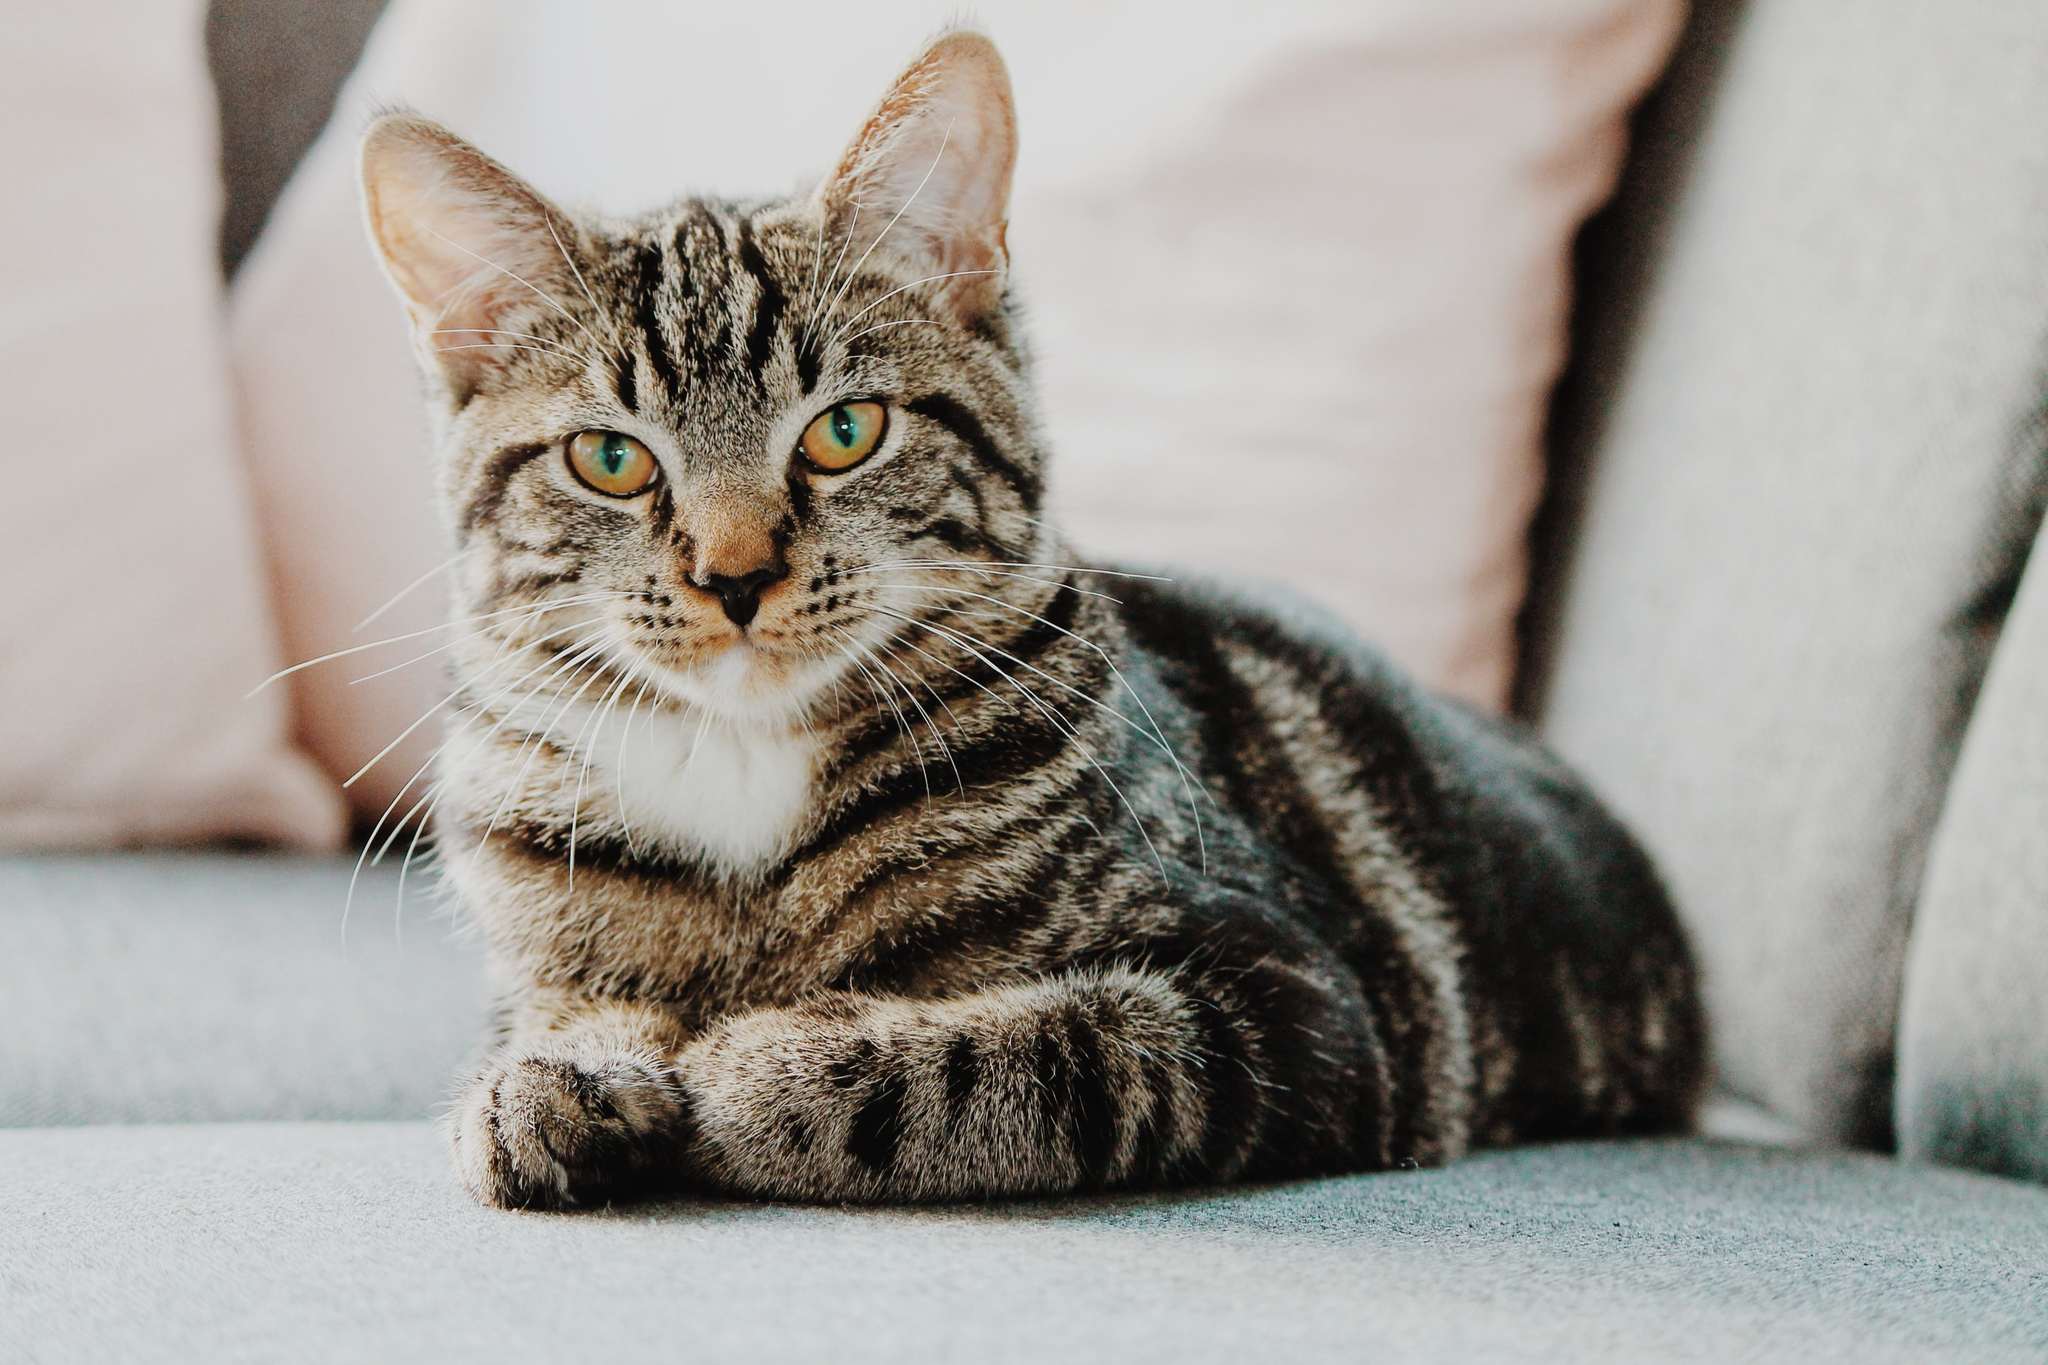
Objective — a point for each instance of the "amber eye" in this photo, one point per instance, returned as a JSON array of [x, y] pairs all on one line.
[[612, 462], [841, 437]]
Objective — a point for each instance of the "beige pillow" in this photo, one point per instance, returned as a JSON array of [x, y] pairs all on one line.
[[136, 613], [1298, 279]]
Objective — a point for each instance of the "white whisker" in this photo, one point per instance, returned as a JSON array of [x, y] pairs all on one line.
[[929, 279], [983, 564], [570, 261], [548, 342], [441, 648], [619, 767], [1059, 721], [959, 785], [817, 304], [431, 711], [847, 283], [371, 841], [425, 810], [907, 322], [517, 346], [412, 587], [1002, 573], [538, 736], [603, 709], [888, 699], [1187, 786], [430, 630], [817, 264], [545, 296]]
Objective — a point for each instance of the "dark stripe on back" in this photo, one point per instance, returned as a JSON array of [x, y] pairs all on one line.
[[1267, 789]]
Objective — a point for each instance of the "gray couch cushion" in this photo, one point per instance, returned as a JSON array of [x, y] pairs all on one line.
[[1973, 1026], [350, 1242], [1811, 473], [142, 987]]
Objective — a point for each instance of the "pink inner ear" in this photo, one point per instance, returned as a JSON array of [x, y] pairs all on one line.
[[466, 242], [466, 280], [939, 149]]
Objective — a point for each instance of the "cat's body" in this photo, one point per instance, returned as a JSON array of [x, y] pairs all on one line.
[[838, 838]]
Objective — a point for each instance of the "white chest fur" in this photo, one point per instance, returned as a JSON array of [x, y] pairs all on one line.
[[731, 789]]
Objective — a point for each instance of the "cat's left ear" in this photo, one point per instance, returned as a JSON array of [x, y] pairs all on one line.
[[467, 244], [932, 167]]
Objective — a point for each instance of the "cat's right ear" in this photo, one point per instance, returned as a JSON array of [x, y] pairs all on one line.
[[467, 244], [930, 170]]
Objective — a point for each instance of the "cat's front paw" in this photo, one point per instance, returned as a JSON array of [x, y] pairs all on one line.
[[545, 1131]]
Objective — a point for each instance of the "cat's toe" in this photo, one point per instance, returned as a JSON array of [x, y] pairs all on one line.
[[540, 1132]]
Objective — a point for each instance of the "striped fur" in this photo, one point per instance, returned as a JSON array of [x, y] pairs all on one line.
[[959, 871]]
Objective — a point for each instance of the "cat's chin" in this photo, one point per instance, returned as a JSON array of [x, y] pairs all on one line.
[[745, 682]]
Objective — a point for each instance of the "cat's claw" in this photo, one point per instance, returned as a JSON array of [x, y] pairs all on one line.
[[542, 1131]]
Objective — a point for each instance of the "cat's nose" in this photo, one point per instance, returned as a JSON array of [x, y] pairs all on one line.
[[740, 594]]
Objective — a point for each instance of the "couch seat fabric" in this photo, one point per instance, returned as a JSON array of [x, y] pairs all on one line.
[[350, 1241]]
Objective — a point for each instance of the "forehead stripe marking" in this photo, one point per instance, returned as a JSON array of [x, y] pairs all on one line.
[[767, 308], [626, 381], [653, 275]]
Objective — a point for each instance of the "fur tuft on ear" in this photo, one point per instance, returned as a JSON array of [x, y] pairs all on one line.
[[468, 245], [930, 170]]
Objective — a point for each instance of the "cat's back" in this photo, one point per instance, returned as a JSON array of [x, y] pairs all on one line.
[[1418, 807]]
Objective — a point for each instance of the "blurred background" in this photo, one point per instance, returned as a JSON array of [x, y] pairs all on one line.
[[1674, 378]]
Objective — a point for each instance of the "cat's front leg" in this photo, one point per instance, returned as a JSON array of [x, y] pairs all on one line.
[[579, 1104], [1091, 1078]]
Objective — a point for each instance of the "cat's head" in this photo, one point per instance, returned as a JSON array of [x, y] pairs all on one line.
[[726, 445]]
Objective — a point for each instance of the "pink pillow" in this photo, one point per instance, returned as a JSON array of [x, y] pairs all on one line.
[[136, 614], [1298, 280]]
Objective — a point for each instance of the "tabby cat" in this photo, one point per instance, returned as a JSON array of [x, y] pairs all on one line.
[[836, 837]]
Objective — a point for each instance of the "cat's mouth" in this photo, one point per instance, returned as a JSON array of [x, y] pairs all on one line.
[[743, 676]]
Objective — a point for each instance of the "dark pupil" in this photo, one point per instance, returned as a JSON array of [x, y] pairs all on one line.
[[614, 454], [843, 427]]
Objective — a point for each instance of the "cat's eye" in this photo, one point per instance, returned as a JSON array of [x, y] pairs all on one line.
[[612, 463], [842, 436]]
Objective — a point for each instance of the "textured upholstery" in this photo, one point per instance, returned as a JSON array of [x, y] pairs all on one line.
[[1973, 1026], [150, 987], [1809, 474], [316, 1242]]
